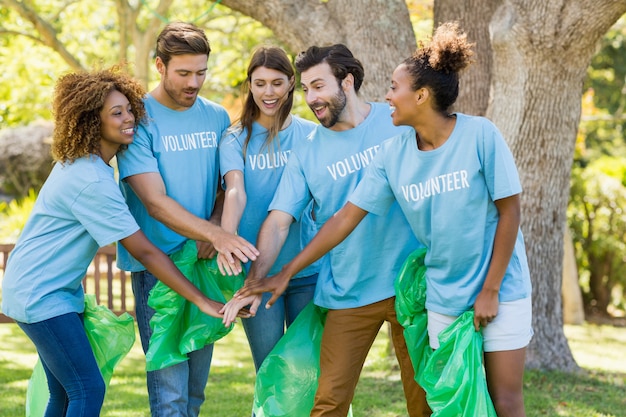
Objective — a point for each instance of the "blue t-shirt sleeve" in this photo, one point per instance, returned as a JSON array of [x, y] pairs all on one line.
[[231, 154], [139, 157], [293, 194], [373, 193], [101, 209], [499, 166]]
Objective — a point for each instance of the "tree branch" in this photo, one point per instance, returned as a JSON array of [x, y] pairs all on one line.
[[45, 29]]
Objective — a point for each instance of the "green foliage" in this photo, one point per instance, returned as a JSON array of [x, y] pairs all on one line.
[[604, 115], [26, 81], [30, 68], [421, 12], [597, 219], [89, 31], [13, 216], [608, 68], [598, 184]]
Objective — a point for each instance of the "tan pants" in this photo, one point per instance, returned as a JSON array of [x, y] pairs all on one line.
[[347, 338]]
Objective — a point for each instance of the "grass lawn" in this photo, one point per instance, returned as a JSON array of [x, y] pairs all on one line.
[[598, 391]]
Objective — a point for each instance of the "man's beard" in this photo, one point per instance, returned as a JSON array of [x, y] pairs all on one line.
[[177, 95], [335, 107]]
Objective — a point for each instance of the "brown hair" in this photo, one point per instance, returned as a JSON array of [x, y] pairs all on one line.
[[180, 38], [338, 57], [275, 58], [78, 100]]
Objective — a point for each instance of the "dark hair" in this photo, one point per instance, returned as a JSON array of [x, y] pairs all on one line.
[[437, 64], [76, 106], [180, 38], [340, 59], [275, 58]]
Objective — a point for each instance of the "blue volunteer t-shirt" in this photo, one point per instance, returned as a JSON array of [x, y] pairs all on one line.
[[182, 147], [326, 168], [262, 169], [78, 209], [447, 195]]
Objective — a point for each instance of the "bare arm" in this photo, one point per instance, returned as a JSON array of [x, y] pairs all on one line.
[[218, 209], [150, 189], [206, 250], [235, 200], [270, 240], [159, 264], [334, 231], [486, 305]]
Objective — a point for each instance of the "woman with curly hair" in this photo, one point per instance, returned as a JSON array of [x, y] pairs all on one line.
[[79, 209]]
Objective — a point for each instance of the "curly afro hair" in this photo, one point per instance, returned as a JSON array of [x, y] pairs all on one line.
[[78, 100], [437, 64]]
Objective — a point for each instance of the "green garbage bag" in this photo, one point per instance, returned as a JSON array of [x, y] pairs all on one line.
[[287, 379], [111, 338], [454, 377], [178, 326], [410, 289]]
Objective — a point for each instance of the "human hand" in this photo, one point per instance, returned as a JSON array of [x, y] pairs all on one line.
[[233, 247], [227, 268], [206, 250], [276, 284], [211, 307], [233, 308], [485, 308], [214, 309]]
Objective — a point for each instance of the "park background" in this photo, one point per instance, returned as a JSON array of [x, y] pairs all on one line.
[[550, 74]]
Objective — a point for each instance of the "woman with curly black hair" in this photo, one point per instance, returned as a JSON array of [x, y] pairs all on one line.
[[79, 209]]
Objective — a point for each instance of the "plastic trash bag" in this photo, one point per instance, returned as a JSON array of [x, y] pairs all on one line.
[[454, 377], [410, 288], [111, 338], [178, 326], [287, 379]]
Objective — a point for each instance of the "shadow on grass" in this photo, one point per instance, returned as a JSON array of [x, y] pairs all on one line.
[[588, 393], [379, 395]]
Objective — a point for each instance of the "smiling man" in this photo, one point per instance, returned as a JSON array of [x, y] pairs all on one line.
[[356, 279]]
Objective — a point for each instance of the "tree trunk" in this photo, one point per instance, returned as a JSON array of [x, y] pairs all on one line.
[[541, 51], [125, 22], [474, 17], [379, 33], [573, 307], [144, 40], [599, 286]]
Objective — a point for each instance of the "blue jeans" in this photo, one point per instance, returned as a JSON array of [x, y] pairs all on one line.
[[268, 326], [178, 390], [74, 379]]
